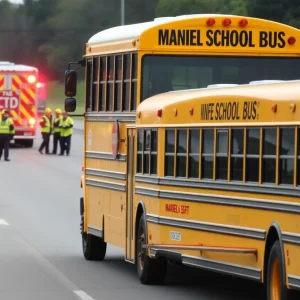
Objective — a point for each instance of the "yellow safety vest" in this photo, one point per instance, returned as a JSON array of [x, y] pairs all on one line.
[[68, 131], [46, 129], [57, 129], [4, 126]]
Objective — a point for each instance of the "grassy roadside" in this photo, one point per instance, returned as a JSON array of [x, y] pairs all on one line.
[[56, 96]]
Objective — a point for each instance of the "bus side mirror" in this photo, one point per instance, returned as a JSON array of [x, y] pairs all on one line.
[[70, 83], [70, 104]]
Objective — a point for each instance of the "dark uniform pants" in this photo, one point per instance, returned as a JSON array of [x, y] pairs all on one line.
[[45, 143], [4, 145], [56, 139], [65, 144]]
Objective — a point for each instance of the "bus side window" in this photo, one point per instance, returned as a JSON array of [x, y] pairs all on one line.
[[133, 94], [88, 96], [169, 152], [207, 153], [110, 83], [147, 152], [118, 86], [95, 83], [126, 81], [222, 154], [102, 87], [194, 153], [269, 155], [286, 155], [237, 154], [252, 154], [181, 153]]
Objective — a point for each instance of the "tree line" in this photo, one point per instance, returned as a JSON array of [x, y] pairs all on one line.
[[50, 33]]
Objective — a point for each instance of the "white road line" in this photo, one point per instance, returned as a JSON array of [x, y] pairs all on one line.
[[84, 296], [3, 222]]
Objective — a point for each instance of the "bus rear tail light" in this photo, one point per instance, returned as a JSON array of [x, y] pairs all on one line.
[[226, 22], [210, 22], [243, 22], [291, 40]]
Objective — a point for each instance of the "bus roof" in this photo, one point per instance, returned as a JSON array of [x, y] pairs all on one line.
[[6, 66], [266, 92], [134, 31]]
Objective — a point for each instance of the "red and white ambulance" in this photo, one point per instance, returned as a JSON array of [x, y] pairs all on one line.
[[18, 94]]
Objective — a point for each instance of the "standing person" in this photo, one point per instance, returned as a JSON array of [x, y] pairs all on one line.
[[66, 125], [56, 130], [45, 123], [7, 131]]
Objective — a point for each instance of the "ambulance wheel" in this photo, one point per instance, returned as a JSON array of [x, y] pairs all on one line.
[[93, 247], [150, 270], [276, 288]]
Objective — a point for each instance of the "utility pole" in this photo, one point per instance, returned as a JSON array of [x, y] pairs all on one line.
[[122, 12]]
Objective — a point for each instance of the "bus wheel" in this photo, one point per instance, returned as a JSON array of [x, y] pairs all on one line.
[[276, 288], [150, 271], [93, 247]]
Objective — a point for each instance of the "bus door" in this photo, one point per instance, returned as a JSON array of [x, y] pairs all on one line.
[[129, 256]]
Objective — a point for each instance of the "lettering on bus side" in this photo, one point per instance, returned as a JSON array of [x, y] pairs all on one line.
[[178, 209], [229, 111], [220, 38]]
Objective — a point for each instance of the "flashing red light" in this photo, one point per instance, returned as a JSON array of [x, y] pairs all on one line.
[[226, 22], [159, 113], [274, 107], [291, 40], [31, 79], [243, 22], [210, 22]]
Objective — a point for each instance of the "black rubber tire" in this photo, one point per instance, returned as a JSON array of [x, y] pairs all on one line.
[[93, 247], [275, 254], [154, 270]]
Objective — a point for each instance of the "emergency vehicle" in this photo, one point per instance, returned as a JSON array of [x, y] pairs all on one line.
[[18, 95]]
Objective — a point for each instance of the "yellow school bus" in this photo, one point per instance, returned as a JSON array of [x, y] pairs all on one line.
[[183, 156]]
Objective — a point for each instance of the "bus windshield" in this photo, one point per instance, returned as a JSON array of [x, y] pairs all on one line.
[[163, 73]]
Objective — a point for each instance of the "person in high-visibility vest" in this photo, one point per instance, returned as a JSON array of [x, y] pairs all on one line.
[[7, 131], [46, 129], [66, 125], [56, 129]]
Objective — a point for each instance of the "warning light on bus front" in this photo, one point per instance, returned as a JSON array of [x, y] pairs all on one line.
[[274, 108], [159, 113], [226, 22], [210, 22], [243, 22], [291, 40]]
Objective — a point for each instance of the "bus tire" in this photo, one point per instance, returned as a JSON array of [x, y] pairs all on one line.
[[276, 288], [150, 271], [93, 247]]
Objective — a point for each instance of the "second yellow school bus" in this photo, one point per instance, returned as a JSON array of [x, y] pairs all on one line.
[[184, 160]]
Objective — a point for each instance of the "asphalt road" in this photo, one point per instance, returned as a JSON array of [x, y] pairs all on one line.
[[40, 244]]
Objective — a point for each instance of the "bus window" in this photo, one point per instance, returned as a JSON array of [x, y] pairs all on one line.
[[163, 73], [194, 153], [286, 155], [207, 153], [252, 154], [269, 155], [102, 88], [237, 153]]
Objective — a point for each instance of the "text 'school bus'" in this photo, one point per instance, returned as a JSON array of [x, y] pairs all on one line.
[[18, 94], [203, 176]]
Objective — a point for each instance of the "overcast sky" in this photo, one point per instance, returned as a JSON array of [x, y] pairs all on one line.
[[16, 1]]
